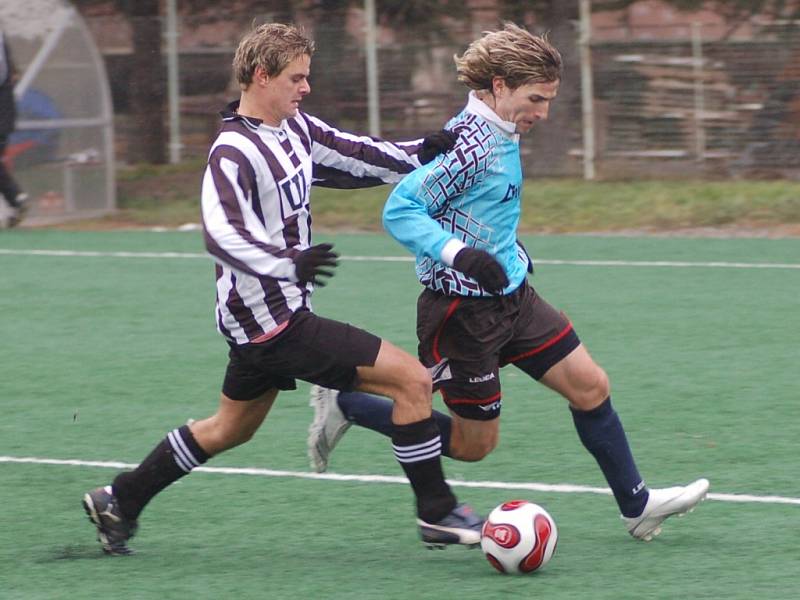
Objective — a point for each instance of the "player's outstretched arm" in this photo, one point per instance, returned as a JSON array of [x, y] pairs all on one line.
[[347, 161]]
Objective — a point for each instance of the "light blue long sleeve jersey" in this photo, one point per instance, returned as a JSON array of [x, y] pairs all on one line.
[[467, 197]]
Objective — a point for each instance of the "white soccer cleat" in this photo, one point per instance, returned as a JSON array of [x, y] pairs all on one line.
[[664, 503], [327, 428]]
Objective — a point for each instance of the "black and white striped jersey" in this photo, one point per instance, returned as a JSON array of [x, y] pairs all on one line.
[[257, 213]]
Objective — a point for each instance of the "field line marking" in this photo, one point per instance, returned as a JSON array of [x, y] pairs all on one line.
[[565, 488], [103, 254], [668, 263], [356, 258]]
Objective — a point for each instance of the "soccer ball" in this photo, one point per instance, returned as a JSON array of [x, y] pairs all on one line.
[[519, 537]]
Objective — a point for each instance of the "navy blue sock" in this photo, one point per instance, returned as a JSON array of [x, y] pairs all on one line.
[[374, 412], [602, 434]]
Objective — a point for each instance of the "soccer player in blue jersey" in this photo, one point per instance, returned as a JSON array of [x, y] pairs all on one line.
[[257, 228], [477, 312]]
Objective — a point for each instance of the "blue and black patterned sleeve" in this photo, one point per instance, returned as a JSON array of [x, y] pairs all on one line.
[[419, 204]]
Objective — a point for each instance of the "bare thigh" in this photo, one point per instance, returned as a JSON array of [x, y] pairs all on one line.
[[401, 377]]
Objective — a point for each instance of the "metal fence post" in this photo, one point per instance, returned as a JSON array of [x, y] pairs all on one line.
[[173, 88], [587, 91], [699, 100], [373, 106]]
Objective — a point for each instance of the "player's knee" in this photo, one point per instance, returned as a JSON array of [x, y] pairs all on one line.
[[417, 385], [224, 436], [589, 389], [476, 450], [242, 436], [602, 386], [472, 447], [596, 390]]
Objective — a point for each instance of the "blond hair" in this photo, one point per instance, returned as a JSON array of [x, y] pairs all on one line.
[[270, 46], [514, 54]]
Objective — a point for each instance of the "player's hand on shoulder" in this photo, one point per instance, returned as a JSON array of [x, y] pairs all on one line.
[[436, 143], [482, 267], [315, 262]]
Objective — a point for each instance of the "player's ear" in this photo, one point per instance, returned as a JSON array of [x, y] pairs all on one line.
[[260, 76], [498, 86]]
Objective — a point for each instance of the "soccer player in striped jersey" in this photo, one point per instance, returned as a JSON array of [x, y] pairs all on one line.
[[477, 312], [257, 227]]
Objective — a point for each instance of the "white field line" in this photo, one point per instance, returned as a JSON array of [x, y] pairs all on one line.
[[564, 488], [543, 261]]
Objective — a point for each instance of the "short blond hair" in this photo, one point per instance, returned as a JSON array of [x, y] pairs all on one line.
[[270, 46], [514, 54]]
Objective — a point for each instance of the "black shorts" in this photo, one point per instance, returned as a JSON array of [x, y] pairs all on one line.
[[311, 348], [465, 340]]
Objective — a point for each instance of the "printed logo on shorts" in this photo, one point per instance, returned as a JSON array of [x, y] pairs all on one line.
[[482, 378], [441, 371], [490, 407]]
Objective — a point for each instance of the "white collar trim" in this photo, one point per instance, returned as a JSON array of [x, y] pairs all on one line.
[[477, 106]]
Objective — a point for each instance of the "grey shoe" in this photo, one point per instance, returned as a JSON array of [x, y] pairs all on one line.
[[327, 428], [460, 526], [113, 528], [20, 210], [664, 503]]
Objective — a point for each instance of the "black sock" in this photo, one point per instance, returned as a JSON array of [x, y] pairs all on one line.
[[417, 447], [374, 412], [175, 456], [602, 434]]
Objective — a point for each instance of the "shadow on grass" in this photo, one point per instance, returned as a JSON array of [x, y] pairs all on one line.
[[74, 552]]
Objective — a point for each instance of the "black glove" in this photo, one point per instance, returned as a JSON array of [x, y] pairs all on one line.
[[482, 267], [435, 144], [309, 264]]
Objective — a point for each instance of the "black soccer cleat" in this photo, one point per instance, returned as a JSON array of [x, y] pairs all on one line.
[[113, 528], [460, 526]]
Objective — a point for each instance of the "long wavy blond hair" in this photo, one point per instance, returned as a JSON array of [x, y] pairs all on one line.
[[514, 54]]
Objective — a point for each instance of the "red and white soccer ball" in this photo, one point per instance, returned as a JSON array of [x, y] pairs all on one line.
[[519, 537]]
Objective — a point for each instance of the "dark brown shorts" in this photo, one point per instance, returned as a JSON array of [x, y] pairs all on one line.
[[311, 348], [464, 341]]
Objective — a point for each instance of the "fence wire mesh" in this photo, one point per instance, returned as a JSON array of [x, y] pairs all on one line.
[[690, 101]]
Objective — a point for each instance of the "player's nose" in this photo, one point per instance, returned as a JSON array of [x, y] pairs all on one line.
[[543, 112]]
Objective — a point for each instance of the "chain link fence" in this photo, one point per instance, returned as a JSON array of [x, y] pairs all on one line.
[[698, 106], [687, 102]]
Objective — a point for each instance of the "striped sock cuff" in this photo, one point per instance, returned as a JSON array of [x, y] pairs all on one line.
[[185, 450], [418, 452]]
